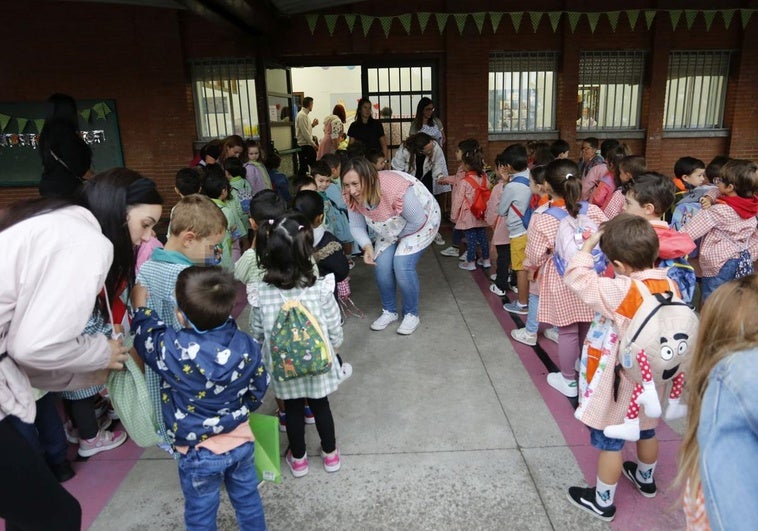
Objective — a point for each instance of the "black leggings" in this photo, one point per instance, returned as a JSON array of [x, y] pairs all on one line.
[[30, 496], [503, 266], [82, 415], [295, 410]]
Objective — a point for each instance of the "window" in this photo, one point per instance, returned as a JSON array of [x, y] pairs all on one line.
[[696, 90], [610, 88], [224, 94], [522, 92]]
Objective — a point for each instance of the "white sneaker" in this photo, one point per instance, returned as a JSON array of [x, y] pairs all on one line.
[[409, 324], [562, 385], [484, 263], [522, 336], [497, 291], [551, 334], [346, 371], [468, 266], [450, 251], [493, 277], [462, 257], [384, 320], [104, 440], [438, 239]]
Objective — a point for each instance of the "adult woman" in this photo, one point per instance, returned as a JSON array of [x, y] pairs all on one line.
[[422, 157], [334, 125], [61, 257], [66, 158], [426, 122], [405, 218], [367, 130]]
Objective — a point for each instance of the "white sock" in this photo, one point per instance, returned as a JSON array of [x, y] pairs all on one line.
[[645, 472], [604, 494]]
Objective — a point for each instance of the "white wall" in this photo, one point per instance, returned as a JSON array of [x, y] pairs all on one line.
[[327, 86]]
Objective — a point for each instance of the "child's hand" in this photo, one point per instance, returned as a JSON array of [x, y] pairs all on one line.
[[592, 241], [706, 202], [139, 295]]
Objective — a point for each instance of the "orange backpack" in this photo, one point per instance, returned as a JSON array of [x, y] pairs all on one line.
[[478, 206]]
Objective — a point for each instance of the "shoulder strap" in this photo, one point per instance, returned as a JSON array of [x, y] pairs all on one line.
[[557, 212], [583, 207], [521, 180]]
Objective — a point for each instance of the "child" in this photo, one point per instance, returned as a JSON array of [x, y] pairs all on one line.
[[627, 169], [609, 182], [560, 149], [630, 243], [468, 145], [689, 173], [728, 227], [513, 206], [376, 158], [558, 306], [240, 199], [255, 172], [335, 163], [217, 188], [211, 429], [285, 247], [279, 181], [713, 170], [475, 229], [335, 209], [187, 182], [500, 236]]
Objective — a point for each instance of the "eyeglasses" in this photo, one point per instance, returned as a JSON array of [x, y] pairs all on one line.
[[718, 180]]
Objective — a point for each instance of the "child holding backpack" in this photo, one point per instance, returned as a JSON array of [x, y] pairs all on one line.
[[297, 316], [470, 197], [558, 306]]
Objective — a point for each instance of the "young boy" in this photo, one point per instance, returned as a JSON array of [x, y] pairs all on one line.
[[186, 182], [217, 188], [513, 204], [212, 378], [240, 198], [689, 173], [631, 244]]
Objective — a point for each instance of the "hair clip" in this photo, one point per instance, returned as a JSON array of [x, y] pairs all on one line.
[[271, 221], [569, 175], [300, 227]]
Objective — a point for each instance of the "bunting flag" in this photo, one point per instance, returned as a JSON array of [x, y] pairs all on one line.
[[689, 17], [22, 124], [102, 110], [727, 15], [745, 14], [573, 17], [675, 15], [386, 23], [405, 21], [311, 19], [495, 19], [536, 16], [441, 21], [460, 21], [4, 119], [555, 19], [331, 21], [649, 17], [632, 15], [516, 20], [593, 18], [708, 16], [86, 114], [366, 21], [350, 21], [613, 19], [423, 20], [39, 124], [479, 20]]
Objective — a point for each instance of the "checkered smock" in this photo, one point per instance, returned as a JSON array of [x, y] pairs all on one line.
[[95, 325], [615, 205]]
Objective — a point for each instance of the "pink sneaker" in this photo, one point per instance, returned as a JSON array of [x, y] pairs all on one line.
[[298, 467], [332, 460], [72, 434], [105, 440]]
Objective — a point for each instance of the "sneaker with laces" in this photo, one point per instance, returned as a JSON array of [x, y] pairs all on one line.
[[522, 336], [559, 383], [484, 263], [497, 291], [515, 307], [309, 418], [462, 258], [450, 251], [467, 266], [104, 440], [409, 324], [551, 334], [331, 460], [72, 434], [584, 498], [648, 490], [493, 277], [438, 239], [298, 467], [384, 320], [282, 416]]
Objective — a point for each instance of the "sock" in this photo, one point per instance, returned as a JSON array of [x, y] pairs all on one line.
[[522, 305], [604, 494], [645, 472]]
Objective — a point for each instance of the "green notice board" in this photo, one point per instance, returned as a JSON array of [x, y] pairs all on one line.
[[21, 123]]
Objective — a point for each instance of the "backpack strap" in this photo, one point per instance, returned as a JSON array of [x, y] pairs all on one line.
[[521, 180], [557, 212], [583, 207]]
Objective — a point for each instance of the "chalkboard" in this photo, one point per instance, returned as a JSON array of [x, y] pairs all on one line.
[[21, 123]]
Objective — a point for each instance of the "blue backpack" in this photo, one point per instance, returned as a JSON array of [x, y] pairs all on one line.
[[572, 232], [526, 216], [685, 210]]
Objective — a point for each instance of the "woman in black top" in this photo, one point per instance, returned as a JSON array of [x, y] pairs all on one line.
[[367, 129]]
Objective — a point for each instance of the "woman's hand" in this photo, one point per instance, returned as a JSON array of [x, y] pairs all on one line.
[[368, 255], [139, 295], [118, 354]]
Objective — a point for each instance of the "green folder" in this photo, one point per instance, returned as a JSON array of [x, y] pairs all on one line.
[[267, 459]]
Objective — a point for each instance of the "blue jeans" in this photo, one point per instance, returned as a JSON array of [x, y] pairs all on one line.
[[46, 435], [477, 237], [726, 273], [201, 473], [599, 440], [398, 272], [532, 324]]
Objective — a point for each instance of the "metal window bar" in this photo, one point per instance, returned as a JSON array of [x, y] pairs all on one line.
[[696, 89]]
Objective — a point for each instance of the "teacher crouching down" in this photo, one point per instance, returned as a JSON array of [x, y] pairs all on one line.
[[404, 218]]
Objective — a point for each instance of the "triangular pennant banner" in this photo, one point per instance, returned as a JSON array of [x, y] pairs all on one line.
[[516, 20], [423, 20], [495, 19], [745, 14], [536, 16], [86, 114], [613, 18], [386, 23], [649, 17], [592, 18], [350, 21], [708, 16], [479, 20], [21, 124], [331, 21], [632, 15], [366, 21], [727, 15], [405, 21], [460, 20], [675, 15], [39, 124], [573, 17], [4, 119], [441, 21], [106, 109], [555, 19], [311, 19], [689, 17]]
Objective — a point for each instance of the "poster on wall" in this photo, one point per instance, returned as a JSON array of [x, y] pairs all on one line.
[[21, 124]]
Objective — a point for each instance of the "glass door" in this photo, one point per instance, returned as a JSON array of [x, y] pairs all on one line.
[[281, 108]]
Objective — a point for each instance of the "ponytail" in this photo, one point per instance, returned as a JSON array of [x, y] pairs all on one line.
[[563, 177], [573, 194]]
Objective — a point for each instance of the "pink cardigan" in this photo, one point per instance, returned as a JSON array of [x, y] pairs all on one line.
[[460, 213]]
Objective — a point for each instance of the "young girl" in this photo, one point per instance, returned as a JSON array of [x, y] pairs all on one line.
[[721, 411], [500, 235], [217, 188], [284, 247], [609, 182], [626, 170], [241, 194], [475, 229], [558, 305], [255, 171], [335, 208], [455, 247]]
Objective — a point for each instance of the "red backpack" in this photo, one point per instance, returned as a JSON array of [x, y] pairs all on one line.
[[478, 206]]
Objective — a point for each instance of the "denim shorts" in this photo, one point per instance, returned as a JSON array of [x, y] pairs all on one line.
[[601, 442]]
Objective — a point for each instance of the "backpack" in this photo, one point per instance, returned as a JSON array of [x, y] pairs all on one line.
[[482, 192], [684, 211], [298, 345], [571, 235], [526, 216], [683, 274]]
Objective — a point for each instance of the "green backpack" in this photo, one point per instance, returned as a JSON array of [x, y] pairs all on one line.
[[298, 345]]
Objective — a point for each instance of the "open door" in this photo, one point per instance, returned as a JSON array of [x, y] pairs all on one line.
[[281, 108]]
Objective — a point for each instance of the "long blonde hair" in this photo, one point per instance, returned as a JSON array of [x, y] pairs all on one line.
[[728, 324]]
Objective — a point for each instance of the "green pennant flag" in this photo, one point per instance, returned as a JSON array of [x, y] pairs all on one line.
[[106, 109], [516, 20], [632, 15], [39, 124], [745, 14], [649, 17], [366, 21], [689, 17], [311, 19], [386, 23], [405, 20], [331, 21], [350, 21], [613, 19], [536, 16], [495, 19], [86, 114], [21, 124], [423, 20], [555, 19], [573, 17], [460, 20], [593, 18], [4, 119], [441, 21], [479, 20], [727, 15], [708, 16], [675, 15]]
